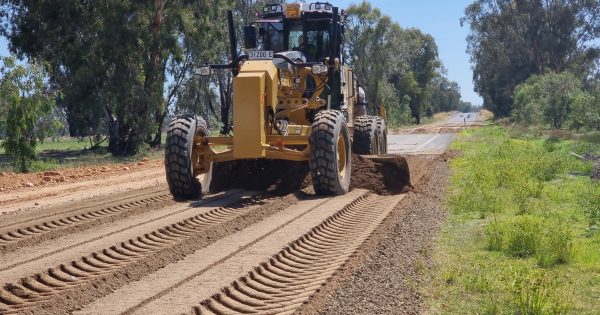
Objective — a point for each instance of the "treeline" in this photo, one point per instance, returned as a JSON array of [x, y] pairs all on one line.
[[400, 67], [537, 61], [119, 69]]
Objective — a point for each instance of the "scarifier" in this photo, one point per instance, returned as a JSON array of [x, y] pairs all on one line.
[[294, 99]]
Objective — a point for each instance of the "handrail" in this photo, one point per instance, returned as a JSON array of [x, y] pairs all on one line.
[[240, 58]]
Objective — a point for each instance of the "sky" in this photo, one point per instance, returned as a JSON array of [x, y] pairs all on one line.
[[440, 18]]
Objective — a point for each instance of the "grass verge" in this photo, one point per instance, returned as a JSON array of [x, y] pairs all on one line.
[[522, 236], [73, 152]]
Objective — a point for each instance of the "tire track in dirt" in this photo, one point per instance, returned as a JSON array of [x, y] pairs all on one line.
[[43, 287], [53, 226], [17, 259], [40, 197], [304, 245], [178, 286], [283, 283], [11, 220]]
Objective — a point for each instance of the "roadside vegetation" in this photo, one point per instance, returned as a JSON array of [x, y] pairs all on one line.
[[522, 235]]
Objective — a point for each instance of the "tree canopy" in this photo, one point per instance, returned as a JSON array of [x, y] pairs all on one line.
[[513, 40], [400, 67]]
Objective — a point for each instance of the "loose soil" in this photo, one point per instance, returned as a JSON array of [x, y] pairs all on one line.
[[88, 290], [10, 181], [389, 271], [383, 176], [82, 188], [386, 176]]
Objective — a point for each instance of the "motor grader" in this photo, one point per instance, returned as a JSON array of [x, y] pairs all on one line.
[[294, 99]]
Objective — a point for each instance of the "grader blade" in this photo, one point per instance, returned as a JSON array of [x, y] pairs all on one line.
[[382, 174]]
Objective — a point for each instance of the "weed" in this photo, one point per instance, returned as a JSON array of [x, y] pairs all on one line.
[[491, 306], [531, 291], [590, 202], [494, 235], [556, 247], [44, 165], [550, 143], [478, 281], [450, 275], [525, 190], [523, 237]]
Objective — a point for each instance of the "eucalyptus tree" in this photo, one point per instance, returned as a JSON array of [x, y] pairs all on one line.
[[397, 65], [111, 59], [512, 40]]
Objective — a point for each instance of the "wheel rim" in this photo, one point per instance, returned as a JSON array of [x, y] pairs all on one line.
[[341, 156]]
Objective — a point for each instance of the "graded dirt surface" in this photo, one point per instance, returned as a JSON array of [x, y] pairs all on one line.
[[30, 191], [389, 271], [113, 241]]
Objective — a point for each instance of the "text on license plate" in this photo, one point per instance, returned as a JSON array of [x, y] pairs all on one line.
[[260, 54]]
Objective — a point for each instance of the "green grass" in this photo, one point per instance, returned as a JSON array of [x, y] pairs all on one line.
[[72, 152], [61, 144], [522, 236]]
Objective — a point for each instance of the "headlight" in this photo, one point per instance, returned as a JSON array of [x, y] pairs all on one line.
[[204, 71], [319, 69]]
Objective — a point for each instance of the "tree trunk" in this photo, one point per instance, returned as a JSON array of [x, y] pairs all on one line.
[[414, 109], [160, 120], [154, 78]]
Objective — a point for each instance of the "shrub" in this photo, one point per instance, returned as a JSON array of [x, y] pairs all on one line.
[[523, 237], [532, 291], [23, 92], [556, 247], [494, 235]]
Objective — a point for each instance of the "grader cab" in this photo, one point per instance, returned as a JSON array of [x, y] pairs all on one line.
[[294, 99]]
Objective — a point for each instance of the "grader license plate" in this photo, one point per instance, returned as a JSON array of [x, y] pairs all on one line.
[[260, 55]]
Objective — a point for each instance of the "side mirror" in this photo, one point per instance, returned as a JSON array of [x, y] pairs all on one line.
[[250, 37]]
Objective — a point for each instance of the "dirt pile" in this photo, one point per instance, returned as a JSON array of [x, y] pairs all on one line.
[[386, 175]]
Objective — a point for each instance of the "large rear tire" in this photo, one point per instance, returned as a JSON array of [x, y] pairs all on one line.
[[330, 158], [179, 166], [365, 137], [381, 135]]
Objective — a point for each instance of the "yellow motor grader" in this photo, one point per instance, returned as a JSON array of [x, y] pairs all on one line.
[[294, 99]]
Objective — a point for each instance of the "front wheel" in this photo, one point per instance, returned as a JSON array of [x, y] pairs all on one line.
[[179, 157], [330, 156]]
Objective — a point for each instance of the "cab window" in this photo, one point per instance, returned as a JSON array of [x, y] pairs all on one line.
[[272, 37]]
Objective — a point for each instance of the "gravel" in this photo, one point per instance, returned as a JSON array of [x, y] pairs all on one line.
[[392, 279]]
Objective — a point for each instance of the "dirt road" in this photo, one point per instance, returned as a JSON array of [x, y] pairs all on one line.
[[116, 243]]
